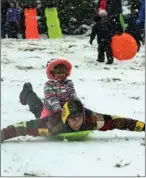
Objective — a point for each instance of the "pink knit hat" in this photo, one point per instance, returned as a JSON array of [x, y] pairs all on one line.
[[54, 62]]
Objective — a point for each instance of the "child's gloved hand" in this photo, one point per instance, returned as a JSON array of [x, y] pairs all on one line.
[[56, 117]]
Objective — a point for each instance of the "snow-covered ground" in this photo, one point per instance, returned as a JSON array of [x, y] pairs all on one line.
[[110, 89]]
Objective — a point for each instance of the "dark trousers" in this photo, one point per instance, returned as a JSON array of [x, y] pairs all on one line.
[[12, 30], [35, 104], [3, 31], [104, 47]]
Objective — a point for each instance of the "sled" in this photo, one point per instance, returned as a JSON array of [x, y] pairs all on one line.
[[31, 25], [122, 22], [124, 46], [53, 23], [73, 136]]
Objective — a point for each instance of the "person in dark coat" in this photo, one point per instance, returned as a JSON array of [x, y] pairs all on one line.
[[140, 22], [104, 31], [22, 20], [12, 20], [74, 118], [4, 7], [136, 24], [134, 30], [113, 9]]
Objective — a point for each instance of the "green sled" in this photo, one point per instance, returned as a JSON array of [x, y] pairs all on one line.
[[73, 136], [53, 23]]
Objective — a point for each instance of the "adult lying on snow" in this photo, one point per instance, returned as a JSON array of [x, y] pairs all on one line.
[[74, 117], [71, 115]]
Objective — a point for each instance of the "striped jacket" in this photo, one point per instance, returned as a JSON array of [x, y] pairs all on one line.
[[92, 121], [56, 94]]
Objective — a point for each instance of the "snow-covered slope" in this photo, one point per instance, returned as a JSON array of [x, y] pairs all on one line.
[[110, 89]]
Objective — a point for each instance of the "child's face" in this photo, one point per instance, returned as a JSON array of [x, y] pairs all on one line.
[[60, 72]]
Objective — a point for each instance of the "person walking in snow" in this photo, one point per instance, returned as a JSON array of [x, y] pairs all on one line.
[[12, 20], [56, 91], [74, 117], [104, 31]]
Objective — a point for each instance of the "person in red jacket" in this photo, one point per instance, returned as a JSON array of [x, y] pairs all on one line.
[[75, 117]]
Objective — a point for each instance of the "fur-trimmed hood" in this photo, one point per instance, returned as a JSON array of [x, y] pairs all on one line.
[[54, 62]]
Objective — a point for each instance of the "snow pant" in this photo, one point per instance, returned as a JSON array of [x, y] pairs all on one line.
[[104, 46], [12, 29], [35, 104]]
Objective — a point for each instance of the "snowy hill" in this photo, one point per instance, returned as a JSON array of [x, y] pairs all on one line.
[[111, 89]]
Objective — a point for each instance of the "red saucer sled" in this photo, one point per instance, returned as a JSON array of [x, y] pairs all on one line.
[[124, 46]]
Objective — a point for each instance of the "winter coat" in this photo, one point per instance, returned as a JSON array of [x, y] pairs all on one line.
[[103, 30], [56, 94], [13, 15], [92, 121], [141, 15]]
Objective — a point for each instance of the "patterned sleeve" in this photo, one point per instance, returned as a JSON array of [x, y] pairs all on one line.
[[71, 88], [51, 99], [105, 122], [33, 128]]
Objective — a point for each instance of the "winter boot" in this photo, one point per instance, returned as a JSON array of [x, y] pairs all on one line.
[[27, 88], [100, 60], [28, 97], [110, 61]]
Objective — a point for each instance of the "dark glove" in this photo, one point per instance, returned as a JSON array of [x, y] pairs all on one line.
[[90, 42]]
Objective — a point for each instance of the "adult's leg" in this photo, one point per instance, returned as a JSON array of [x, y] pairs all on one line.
[[9, 29], [28, 97], [14, 30]]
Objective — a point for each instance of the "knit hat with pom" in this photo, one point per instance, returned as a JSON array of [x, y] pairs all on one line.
[[102, 12]]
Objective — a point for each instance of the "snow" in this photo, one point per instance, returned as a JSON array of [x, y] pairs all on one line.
[[116, 89]]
